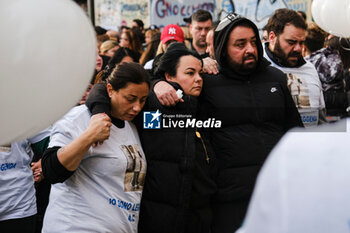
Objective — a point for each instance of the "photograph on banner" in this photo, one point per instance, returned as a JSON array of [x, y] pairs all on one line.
[[134, 9], [111, 14], [107, 14]]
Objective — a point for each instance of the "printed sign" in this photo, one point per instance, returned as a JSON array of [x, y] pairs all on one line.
[[110, 14], [164, 12]]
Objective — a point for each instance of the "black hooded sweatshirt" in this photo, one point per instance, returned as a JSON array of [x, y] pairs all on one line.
[[255, 110]]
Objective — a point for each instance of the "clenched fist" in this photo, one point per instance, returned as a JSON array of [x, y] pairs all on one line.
[[99, 128]]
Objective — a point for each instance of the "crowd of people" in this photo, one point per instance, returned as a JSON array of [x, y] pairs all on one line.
[[98, 169]]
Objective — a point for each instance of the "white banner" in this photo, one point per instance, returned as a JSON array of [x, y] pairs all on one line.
[[110, 14], [164, 12], [113, 13]]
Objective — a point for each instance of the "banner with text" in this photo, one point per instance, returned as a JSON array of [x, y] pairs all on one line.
[[259, 11], [110, 14], [164, 12]]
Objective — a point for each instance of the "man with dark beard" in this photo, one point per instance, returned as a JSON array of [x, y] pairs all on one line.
[[286, 36], [252, 100]]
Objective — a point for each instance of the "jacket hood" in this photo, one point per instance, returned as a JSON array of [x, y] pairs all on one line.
[[221, 37], [328, 64]]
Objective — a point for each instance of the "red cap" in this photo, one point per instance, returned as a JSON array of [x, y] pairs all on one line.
[[172, 32]]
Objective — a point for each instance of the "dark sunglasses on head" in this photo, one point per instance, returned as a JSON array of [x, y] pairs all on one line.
[[227, 20]]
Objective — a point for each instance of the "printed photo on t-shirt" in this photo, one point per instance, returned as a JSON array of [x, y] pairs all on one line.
[[136, 168], [299, 91]]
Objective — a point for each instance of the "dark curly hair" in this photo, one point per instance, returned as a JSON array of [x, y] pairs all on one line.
[[283, 17]]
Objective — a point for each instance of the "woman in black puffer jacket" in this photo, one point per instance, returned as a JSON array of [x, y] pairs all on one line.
[[179, 180]]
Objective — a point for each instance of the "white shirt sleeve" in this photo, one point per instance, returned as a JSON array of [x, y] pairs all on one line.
[[69, 127], [148, 65]]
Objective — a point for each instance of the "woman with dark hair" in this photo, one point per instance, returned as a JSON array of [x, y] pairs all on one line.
[[179, 182], [93, 182], [129, 40], [149, 34], [179, 185], [120, 56], [151, 49]]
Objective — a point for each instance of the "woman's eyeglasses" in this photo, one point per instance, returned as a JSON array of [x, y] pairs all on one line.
[[227, 20]]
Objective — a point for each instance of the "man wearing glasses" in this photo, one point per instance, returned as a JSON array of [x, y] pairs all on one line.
[[253, 102]]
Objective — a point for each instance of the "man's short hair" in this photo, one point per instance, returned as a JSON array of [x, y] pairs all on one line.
[[201, 16], [244, 24], [283, 17], [315, 38]]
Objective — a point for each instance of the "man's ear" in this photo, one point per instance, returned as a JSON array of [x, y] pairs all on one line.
[[168, 77], [272, 40], [272, 37], [109, 90]]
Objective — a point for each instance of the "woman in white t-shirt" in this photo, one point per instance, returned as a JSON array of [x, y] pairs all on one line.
[[93, 190], [18, 208]]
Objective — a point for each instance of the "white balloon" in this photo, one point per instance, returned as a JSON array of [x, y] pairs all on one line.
[[316, 9], [48, 54], [334, 17]]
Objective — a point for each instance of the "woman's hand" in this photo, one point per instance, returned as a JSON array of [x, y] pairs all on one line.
[[37, 171], [99, 128]]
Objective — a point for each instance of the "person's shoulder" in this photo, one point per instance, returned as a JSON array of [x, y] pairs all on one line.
[[206, 75], [81, 109], [148, 65], [274, 70], [209, 80], [74, 122], [77, 113], [308, 65], [274, 74], [310, 69]]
